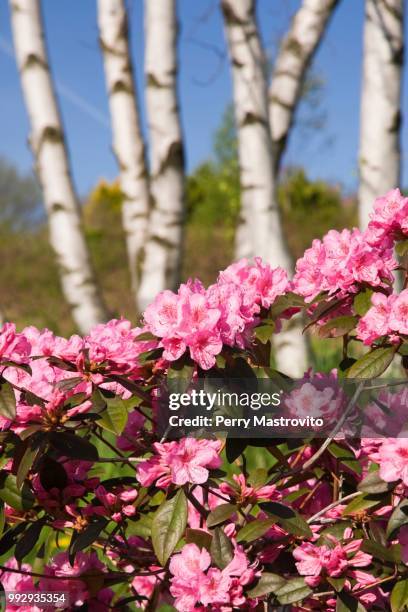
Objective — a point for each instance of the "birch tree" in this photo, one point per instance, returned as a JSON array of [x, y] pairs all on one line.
[[163, 251], [290, 68], [260, 232], [128, 141], [380, 121], [52, 165]]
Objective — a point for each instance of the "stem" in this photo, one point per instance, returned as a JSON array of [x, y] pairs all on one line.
[[333, 505]]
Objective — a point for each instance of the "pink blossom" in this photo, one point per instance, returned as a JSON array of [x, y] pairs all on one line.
[[388, 221], [398, 316], [13, 346], [129, 438], [85, 565], [314, 561], [393, 460], [340, 263], [18, 583], [243, 492], [187, 460], [376, 321]]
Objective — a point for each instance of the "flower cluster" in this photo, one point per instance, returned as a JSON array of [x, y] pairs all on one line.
[[203, 320], [341, 263], [100, 504], [388, 316]]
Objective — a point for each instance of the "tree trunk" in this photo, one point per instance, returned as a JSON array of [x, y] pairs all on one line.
[[294, 57], [380, 121], [128, 141], [261, 229], [163, 252], [48, 145]]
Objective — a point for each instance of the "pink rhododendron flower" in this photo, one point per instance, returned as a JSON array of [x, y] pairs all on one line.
[[129, 438], [195, 581], [187, 460], [314, 561], [202, 320], [393, 460], [85, 565], [241, 491], [375, 322], [388, 221], [13, 346], [18, 583], [398, 318], [341, 262]]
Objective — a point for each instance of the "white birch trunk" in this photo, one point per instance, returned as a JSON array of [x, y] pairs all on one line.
[[261, 233], [294, 57], [161, 266], [380, 120], [48, 145], [128, 144]]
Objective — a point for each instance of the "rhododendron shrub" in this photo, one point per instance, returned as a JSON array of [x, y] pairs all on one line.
[[98, 505]]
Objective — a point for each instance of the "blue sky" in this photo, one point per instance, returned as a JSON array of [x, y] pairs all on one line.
[[205, 86]]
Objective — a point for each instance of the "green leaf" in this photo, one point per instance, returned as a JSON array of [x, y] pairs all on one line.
[[182, 373], [360, 503], [378, 551], [7, 400], [10, 537], [362, 302], [337, 583], [220, 514], [85, 538], [27, 542], [197, 536], [264, 332], [288, 518], [345, 456], [25, 464], [168, 526], [254, 530], [52, 474], [337, 327], [268, 583], [115, 415], [347, 603], [374, 484], [145, 336], [398, 518], [74, 446], [234, 447], [221, 549], [401, 248], [373, 364], [399, 596], [292, 591], [11, 494]]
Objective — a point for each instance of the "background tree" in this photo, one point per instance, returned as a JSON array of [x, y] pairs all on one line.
[[163, 250], [128, 142], [52, 165], [291, 65], [380, 119]]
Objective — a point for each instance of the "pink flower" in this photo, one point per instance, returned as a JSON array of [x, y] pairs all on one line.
[[86, 565], [340, 263], [129, 439], [393, 460], [180, 462], [18, 583], [242, 491], [389, 218], [315, 561], [375, 322], [398, 316], [13, 346]]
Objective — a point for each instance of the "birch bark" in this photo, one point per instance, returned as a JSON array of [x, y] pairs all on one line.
[[128, 144], [52, 165], [260, 232], [294, 57], [380, 154], [163, 251]]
